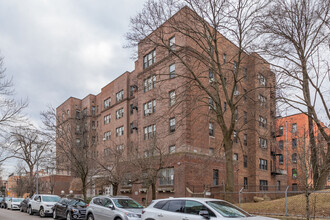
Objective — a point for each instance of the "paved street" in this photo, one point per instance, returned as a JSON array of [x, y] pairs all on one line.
[[16, 215]]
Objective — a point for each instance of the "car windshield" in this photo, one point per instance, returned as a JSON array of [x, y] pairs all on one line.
[[77, 202], [50, 198], [18, 199], [227, 210], [127, 204], [7, 198]]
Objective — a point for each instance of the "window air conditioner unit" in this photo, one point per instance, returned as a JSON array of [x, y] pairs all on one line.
[[236, 93], [148, 111], [104, 139]]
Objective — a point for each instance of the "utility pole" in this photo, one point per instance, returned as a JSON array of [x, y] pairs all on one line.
[[37, 157]]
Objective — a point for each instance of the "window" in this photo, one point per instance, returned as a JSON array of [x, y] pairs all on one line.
[[215, 177], [245, 183], [107, 103], [235, 156], [172, 71], [172, 124], [107, 119], [294, 158], [262, 122], [280, 158], [281, 144], [294, 128], [263, 185], [93, 140], [245, 73], [245, 117], [262, 100], [149, 59], [211, 151], [171, 149], [68, 113], [280, 131], [172, 97], [294, 173], [211, 76], [193, 208], [278, 185], [263, 164], [224, 58], [106, 152], [245, 161], [85, 111], [119, 96], [77, 128], [77, 114], [175, 206], [131, 90], [131, 109], [294, 142], [149, 107], [119, 113], [77, 141], [211, 103], [225, 106], [149, 132], [262, 80], [236, 92], [245, 95], [166, 177], [235, 137], [93, 125], [107, 136], [262, 142], [245, 140], [294, 187], [120, 131], [149, 83], [93, 110], [172, 43], [131, 127], [236, 114], [235, 67], [211, 129]]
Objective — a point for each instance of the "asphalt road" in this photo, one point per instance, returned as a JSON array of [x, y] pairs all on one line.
[[17, 215]]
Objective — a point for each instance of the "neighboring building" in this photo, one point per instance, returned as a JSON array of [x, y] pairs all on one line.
[[131, 110], [55, 184], [293, 151]]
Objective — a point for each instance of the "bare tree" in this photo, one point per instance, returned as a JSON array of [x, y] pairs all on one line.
[[10, 109], [208, 74], [29, 146], [74, 146], [297, 36]]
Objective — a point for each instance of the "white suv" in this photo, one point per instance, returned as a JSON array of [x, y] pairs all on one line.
[[42, 204], [194, 209]]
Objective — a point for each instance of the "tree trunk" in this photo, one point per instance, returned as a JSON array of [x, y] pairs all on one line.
[[307, 204], [229, 186], [84, 188], [115, 188], [153, 190]]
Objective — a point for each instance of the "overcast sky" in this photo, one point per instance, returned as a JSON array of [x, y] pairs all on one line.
[[55, 49]]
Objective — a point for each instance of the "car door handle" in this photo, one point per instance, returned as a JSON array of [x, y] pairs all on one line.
[[160, 215], [185, 218]]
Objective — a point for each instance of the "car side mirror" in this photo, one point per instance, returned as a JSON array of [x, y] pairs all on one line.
[[204, 214], [111, 206]]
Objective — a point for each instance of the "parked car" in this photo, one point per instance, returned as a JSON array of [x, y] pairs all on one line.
[[4, 202], [70, 209], [13, 203], [195, 209], [24, 205], [42, 204], [113, 208]]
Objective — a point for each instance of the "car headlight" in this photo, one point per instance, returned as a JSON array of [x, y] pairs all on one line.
[[75, 210], [132, 215]]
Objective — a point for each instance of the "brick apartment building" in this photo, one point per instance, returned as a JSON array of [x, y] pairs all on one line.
[[293, 151], [131, 109]]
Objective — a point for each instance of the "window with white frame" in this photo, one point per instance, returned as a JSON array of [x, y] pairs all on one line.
[[262, 142], [224, 58], [235, 137], [120, 131], [171, 149], [263, 164], [107, 135], [235, 157], [211, 103], [149, 107], [119, 96], [149, 132], [211, 151], [172, 43], [211, 129], [245, 139], [106, 152], [149, 83], [149, 59], [107, 119], [294, 128], [166, 177], [262, 122], [107, 103], [172, 97], [235, 67], [77, 141], [172, 124], [172, 71], [262, 79], [120, 113], [211, 76], [262, 100]]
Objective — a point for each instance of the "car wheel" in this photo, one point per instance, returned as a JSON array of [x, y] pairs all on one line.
[[42, 212], [68, 216], [90, 217], [29, 210], [54, 214]]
